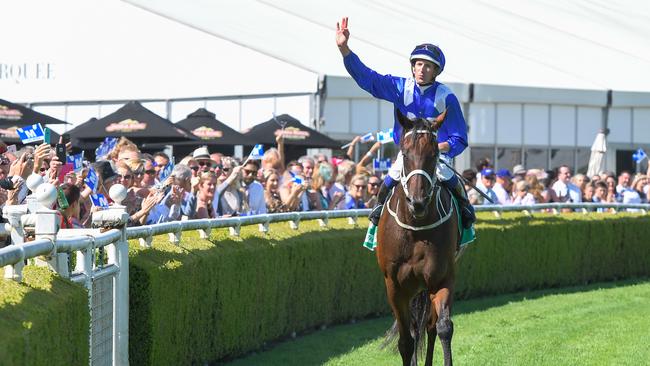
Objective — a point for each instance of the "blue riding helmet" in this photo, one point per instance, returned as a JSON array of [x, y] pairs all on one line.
[[429, 52]]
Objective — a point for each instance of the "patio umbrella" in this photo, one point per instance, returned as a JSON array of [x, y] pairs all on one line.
[[132, 121], [208, 131], [16, 115], [598, 149], [294, 132]]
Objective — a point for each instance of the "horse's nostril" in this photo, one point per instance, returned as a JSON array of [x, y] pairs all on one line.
[[418, 206]]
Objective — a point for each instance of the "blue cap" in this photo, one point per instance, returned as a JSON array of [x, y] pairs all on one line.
[[487, 172], [503, 173]]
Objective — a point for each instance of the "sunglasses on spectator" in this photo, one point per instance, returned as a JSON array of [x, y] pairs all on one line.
[[226, 169], [248, 171], [374, 184], [126, 176], [195, 168], [204, 163], [360, 186], [150, 171]]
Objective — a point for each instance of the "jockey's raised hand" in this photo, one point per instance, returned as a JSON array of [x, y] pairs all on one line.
[[342, 36]]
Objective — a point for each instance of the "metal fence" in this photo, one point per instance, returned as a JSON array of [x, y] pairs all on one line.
[[34, 232]]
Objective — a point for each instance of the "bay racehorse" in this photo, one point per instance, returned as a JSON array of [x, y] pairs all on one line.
[[418, 235]]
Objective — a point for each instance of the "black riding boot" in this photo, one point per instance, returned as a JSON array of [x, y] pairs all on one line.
[[375, 214], [466, 209]]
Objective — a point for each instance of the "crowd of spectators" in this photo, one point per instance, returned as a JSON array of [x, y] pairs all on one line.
[[526, 187], [201, 185], [210, 185]]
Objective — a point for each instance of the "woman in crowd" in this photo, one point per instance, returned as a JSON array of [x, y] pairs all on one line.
[[354, 198], [272, 193], [535, 187], [228, 197], [125, 178], [522, 195], [292, 190], [205, 195], [318, 191]]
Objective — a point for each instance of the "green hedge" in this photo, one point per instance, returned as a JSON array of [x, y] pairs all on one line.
[[43, 320], [202, 301], [521, 253]]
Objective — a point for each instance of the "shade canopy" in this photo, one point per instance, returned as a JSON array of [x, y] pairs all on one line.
[[17, 115], [294, 132], [134, 122], [203, 124]]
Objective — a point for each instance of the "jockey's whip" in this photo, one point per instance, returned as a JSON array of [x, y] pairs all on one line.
[[466, 182]]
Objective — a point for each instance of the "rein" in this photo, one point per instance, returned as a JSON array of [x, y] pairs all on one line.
[[432, 187]]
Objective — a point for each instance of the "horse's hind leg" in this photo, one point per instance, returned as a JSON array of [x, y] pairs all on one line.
[[444, 325], [399, 302]]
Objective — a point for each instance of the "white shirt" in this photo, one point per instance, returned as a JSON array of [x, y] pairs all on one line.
[[528, 199], [256, 202], [562, 189], [502, 194]]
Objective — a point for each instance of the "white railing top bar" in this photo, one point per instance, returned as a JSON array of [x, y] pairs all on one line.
[[68, 243]]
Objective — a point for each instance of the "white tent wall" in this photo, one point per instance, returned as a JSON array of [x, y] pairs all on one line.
[[533, 77]]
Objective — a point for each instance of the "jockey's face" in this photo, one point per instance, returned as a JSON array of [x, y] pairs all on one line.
[[424, 72]]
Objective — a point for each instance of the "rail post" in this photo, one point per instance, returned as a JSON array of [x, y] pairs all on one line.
[[13, 215], [47, 226]]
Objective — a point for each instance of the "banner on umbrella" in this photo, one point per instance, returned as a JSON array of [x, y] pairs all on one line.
[[31, 133]]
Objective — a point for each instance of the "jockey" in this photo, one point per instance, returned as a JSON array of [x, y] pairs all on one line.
[[419, 96]]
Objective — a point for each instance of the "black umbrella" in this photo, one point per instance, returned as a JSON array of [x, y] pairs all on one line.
[[294, 132], [17, 115], [208, 131], [132, 121]]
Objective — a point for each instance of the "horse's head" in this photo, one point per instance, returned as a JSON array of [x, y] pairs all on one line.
[[419, 146]]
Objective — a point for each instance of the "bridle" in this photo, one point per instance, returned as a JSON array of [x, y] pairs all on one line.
[[444, 214], [431, 179]]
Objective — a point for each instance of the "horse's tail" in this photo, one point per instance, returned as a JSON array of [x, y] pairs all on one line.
[[420, 314]]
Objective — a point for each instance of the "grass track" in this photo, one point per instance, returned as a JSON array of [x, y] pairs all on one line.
[[599, 324]]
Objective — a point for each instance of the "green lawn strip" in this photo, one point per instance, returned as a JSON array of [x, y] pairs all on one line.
[[600, 324]]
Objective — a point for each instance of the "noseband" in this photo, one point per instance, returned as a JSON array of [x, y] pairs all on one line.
[[405, 178]]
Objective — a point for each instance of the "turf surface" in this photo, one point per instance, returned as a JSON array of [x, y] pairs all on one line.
[[598, 324]]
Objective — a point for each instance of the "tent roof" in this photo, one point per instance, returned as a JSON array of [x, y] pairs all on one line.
[[294, 132], [573, 44], [133, 121], [18, 115]]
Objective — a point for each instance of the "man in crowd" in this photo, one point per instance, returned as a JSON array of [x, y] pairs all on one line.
[[503, 187], [487, 179], [565, 190], [254, 196]]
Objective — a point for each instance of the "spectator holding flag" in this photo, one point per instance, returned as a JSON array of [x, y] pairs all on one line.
[[418, 96], [253, 190], [228, 198]]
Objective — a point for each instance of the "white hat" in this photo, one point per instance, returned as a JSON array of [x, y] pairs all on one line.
[[201, 153], [518, 169]]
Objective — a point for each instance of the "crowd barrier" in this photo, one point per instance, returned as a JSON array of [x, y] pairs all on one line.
[[102, 260]]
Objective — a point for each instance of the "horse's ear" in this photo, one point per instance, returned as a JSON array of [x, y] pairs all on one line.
[[406, 123], [437, 122]]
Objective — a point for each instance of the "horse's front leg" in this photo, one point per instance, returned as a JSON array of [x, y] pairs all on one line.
[[444, 325], [399, 303], [431, 332]]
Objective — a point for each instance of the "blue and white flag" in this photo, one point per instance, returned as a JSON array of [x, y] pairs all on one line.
[[165, 172], [368, 137], [91, 179], [99, 200], [381, 165], [77, 161], [257, 153], [295, 178], [385, 136], [105, 147], [31, 133], [639, 155]]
